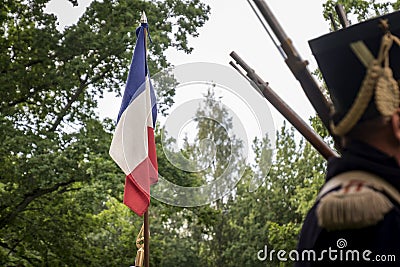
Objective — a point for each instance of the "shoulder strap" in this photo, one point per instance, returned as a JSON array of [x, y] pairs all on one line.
[[355, 199], [367, 178]]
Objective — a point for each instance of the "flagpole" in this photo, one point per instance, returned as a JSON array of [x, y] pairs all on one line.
[[143, 19], [146, 240]]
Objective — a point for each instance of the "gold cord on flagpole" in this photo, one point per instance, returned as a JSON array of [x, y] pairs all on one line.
[[140, 246]]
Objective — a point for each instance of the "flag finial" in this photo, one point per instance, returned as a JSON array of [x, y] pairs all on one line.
[[143, 19]]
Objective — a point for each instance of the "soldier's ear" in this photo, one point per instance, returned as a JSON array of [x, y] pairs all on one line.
[[396, 124]]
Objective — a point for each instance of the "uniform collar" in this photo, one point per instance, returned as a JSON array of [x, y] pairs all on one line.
[[361, 156]]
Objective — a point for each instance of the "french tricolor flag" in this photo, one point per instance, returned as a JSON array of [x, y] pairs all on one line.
[[133, 147]]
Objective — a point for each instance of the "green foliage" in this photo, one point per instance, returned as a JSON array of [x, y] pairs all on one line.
[[215, 123], [360, 9], [221, 154]]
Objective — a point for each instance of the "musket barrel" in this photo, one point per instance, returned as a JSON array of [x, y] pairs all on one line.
[[342, 16], [271, 20], [308, 133], [312, 91]]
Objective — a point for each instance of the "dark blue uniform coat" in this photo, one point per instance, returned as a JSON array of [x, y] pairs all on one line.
[[382, 239]]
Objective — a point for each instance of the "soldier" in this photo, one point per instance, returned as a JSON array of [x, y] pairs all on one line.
[[356, 217]]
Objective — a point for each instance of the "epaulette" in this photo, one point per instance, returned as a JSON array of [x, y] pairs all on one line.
[[354, 199]]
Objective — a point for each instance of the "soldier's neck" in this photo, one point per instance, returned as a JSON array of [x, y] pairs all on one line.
[[391, 149]]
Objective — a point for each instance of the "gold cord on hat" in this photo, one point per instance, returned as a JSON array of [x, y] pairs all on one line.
[[378, 79]]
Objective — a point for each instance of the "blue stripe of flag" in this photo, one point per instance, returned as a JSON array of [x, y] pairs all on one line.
[[138, 71]]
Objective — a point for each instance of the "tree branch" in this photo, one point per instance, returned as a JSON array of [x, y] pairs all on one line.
[[64, 111], [28, 199], [5, 245], [75, 97]]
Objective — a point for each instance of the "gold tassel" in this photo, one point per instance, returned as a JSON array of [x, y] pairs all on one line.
[[387, 93], [359, 202], [139, 257], [344, 210]]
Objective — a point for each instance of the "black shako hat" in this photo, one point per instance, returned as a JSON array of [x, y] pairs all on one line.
[[356, 64]]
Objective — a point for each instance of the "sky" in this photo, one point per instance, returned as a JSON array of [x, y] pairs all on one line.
[[232, 26]]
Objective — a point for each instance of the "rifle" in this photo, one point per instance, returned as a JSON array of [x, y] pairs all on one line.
[[297, 66], [263, 87], [300, 71], [342, 15]]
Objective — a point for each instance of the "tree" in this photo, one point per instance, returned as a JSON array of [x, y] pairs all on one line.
[[60, 193], [177, 234], [215, 126], [273, 214], [222, 157]]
